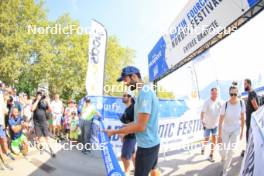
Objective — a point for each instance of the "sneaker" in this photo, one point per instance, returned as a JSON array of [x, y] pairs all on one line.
[[9, 155], [242, 153], [202, 151], [41, 149], [1, 167], [8, 166], [210, 158], [223, 174], [58, 140], [52, 154]]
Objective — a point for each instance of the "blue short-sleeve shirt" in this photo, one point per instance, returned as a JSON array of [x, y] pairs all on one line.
[[13, 122], [147, 102]]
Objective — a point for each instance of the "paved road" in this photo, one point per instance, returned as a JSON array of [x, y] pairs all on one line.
[[192, 163], [68, 163]]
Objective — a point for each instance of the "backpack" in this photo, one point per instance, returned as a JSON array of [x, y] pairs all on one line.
[[240, 101]]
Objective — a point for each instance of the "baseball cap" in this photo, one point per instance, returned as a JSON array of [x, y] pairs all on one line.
[[129, 70]]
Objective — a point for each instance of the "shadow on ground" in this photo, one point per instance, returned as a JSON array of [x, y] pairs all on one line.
[[68, 163], [196, 167]]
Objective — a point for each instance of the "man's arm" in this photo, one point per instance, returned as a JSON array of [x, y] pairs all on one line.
[[242, 119], [221, 120], [139, 126], [16, 128], [34, 106], [202, 118], [254, 103], [49, 109], [203, 113]]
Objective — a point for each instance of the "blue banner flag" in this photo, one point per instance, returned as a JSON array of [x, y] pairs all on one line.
[[111, 164]]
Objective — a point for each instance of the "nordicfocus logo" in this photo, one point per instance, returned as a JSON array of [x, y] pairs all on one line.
[[79, 146], [57, 29], [73, 145]]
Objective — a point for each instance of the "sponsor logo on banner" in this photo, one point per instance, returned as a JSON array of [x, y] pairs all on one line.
[[177, 127], [199, 22], [95, 70], [156, 60], [111, 164]]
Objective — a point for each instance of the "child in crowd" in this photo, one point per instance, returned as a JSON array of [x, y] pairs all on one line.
[[67, 117], [74, 127]]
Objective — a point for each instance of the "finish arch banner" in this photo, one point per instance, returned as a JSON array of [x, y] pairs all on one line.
[[177, 128], [199, 22], [254, 156]]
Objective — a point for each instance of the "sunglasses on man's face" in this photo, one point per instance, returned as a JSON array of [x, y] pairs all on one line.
[[233, 94]]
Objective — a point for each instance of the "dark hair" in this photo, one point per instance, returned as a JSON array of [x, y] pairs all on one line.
[[138, 75], [234, 83], [133, 100], [248, 81], [87, 100], [11, 99], [214, 88], [232, 87]]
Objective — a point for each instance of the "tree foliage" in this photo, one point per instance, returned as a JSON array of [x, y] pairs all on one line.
[[28, 59], [164, 94]]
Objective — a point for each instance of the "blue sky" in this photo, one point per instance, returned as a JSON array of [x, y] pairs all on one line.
[[138, 24]]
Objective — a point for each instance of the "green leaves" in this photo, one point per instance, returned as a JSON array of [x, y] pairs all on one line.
[[28, 59]]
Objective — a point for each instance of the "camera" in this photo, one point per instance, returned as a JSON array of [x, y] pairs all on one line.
[[42, 94], [43, 97]]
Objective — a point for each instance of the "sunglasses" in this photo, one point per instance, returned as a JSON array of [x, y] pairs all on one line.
[[233, 94], [126, 95]]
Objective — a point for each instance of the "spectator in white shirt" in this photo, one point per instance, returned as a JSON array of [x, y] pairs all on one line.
[[231, 124], [210, 117], [57, 113]]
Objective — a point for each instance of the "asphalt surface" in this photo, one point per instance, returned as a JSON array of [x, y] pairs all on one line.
[[73, 162]]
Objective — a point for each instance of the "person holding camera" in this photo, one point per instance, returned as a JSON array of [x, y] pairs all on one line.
[[40, 107]]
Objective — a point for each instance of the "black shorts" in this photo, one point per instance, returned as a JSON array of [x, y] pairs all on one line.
[[146, 160], [41, 130]]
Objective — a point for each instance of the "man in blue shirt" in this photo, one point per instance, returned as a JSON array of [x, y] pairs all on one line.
[[145, 124]]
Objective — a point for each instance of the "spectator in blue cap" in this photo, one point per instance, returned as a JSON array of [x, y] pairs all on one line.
[[145, 124]]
